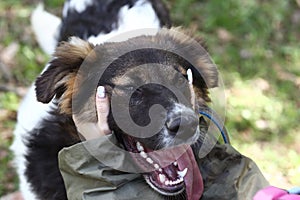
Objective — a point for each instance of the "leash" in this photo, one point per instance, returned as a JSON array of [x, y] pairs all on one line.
[[206, 111], [212, 116]]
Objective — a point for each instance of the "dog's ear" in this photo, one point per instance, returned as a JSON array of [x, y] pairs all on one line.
[[205, 76], [61, 71], [193, 51]]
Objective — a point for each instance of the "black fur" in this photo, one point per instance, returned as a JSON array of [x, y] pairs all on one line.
[[162, 13], [43, 145], [102, 17], [57, 130]]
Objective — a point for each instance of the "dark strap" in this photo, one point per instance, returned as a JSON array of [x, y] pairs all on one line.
[[212, 116]]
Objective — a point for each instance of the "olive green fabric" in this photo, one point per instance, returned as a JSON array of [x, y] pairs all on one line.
[[226, 174]]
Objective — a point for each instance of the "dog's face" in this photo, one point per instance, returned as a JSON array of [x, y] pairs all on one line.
[[179, 121], [141, 88], [136, 82]]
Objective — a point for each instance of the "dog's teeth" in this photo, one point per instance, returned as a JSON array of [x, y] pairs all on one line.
[[162, 178], [172, 183], [156, 166], [180, 180], [169, 182], [182, 173], [149, 160], [139, 147], [175, 163], [143, 154]]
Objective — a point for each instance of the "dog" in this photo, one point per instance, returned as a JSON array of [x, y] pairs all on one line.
[[149, 67]]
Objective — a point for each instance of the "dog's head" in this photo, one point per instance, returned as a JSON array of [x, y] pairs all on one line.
[[138, 75]]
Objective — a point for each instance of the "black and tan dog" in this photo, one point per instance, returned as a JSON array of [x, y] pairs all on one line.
[[152, 69]]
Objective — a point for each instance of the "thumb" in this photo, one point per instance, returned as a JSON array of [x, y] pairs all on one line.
[[102, 106]]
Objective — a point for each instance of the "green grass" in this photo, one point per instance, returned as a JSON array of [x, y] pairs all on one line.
[[255, 44], [8, 106]]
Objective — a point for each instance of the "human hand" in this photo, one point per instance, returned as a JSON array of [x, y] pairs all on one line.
[[95, 130]]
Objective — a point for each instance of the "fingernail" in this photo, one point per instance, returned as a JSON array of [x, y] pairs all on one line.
[[190, 76], [101, 92]]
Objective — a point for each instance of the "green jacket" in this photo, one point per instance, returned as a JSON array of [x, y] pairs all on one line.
[[226, 173]]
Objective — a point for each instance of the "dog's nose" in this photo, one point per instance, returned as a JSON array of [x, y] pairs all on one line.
[[182, 125]]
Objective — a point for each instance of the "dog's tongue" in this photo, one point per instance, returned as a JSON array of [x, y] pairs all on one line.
[[193, 179], [185, 158]]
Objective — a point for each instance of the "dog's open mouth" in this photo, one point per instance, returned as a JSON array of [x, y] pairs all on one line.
[[168, 180], [169, 172]]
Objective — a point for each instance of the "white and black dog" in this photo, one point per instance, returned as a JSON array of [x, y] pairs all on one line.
[[45, 124]]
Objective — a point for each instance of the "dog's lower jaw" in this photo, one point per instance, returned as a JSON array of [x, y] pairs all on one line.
[[147, 178], [167, 180]]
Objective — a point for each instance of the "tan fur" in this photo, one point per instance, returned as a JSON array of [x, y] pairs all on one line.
[[66, 100], [182, 70], [72, 52], [75, 51]]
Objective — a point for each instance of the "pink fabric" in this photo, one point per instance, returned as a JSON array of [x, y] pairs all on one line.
[[273, 193], [290, 197]]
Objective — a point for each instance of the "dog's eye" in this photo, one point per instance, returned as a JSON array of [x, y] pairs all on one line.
[[122, 90], [137, 97], [129, 88]]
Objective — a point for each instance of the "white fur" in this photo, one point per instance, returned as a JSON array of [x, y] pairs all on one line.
[[29, 115], [179, 109], [77, 42], [78, 5], [45, 27], [139, 20]]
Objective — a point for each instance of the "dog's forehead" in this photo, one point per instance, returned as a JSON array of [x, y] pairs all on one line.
[[149, 73]]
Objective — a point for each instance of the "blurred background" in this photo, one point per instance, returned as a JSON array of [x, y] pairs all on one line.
[[255, 44]]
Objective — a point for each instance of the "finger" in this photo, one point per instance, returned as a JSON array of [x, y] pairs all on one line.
[[102, 105], [193, 96]]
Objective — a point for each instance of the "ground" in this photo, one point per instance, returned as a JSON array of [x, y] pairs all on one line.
[[255, 44]]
